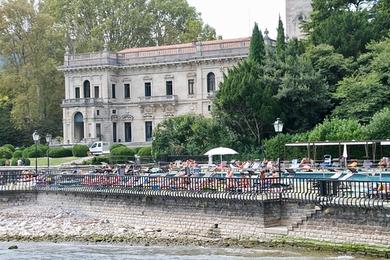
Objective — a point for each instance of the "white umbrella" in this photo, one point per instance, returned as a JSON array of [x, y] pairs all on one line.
[[220, 151], [345, 154]]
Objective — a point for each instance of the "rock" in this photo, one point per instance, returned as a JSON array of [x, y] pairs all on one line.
[[58, 216], [13, 247], [104, 221]]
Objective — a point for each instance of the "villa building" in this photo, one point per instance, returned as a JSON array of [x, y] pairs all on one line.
[[120, 97]]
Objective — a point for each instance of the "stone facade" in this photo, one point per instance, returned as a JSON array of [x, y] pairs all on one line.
[[296, 12], [122, 96]]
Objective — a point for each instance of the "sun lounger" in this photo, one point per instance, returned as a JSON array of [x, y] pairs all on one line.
[[336, 175], [346, 177]]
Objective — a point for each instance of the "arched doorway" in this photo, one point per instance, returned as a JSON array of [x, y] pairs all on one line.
[[78, 127]]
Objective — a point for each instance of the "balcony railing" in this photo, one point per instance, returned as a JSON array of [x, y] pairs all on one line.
[[158, 99], [82, 102], [179, 53]]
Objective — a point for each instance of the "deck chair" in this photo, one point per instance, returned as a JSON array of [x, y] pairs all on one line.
[[327, 161], [294, 164]]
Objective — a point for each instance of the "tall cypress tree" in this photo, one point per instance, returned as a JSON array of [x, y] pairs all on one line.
[[280, 41], [257, 47]]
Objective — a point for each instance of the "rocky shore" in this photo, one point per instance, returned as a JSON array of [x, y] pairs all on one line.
[[58, 224]]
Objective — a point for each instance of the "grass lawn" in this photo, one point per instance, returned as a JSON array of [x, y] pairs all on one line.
[[53, 161]]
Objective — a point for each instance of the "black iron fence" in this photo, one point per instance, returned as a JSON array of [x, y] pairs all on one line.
[[327, 192]]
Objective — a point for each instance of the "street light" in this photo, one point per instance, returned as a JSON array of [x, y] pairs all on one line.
[[36, 138], [48, 140], [278, 126]]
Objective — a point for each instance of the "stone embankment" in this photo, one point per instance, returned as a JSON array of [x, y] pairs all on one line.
[[179, 221]]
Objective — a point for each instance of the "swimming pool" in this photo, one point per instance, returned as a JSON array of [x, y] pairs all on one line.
[[359, 176]]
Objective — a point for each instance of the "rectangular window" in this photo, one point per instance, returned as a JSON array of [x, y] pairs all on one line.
[[98, 131], [96, 91], [114, 132], [148, 89], [169, 88], [113, 94], [127, 132], [127, 90], [98, 112], [148, 131], [114, 111], [190, 87], [77, 93]]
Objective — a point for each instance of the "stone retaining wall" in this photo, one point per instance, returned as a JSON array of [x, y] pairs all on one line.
[[79, 215]]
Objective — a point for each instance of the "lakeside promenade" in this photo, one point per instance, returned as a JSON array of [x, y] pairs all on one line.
[[195, 210]]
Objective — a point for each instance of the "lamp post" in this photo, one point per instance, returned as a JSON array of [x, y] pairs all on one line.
[[48, 140], [36, 138], [278, 126]]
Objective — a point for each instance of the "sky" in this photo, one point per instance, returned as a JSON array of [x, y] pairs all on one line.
[[235, 18]]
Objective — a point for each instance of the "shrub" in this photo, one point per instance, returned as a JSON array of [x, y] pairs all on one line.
[[10, 146], [97, 160], [58, 152], [18, 154], [26, 161], [3, 162], [14, 162], [121, 154], [5, 153], [145, 151], [112, 147], [80, 150], [29, 152]]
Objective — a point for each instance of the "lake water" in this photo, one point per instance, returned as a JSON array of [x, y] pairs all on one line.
[[73, 251]]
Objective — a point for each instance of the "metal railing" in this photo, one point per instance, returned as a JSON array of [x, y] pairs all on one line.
[[324, 192]]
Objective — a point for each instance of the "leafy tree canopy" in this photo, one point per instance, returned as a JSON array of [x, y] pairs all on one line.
[[188, 135], [129, 23]]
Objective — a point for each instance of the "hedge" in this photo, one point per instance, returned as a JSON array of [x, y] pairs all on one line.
[[3, 162], [5, 153], [29, 152], [10, 146], [59, 152], [145, 151], [18, 154], [121, 154], [80, 150], [26, 161], [97, 160], [112, 147]]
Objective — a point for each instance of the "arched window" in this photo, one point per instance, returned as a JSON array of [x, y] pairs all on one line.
[[78, 118], [87, 89], [210, 82]]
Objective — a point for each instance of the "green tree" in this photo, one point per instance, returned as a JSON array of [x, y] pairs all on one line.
[[344, 24], [280, 40], [188, 135], [31, 46], [361, 95], [257, 47], [129, 23], [245, 103], [337, 129], [379, 126], [302, 88], [332, 65]]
